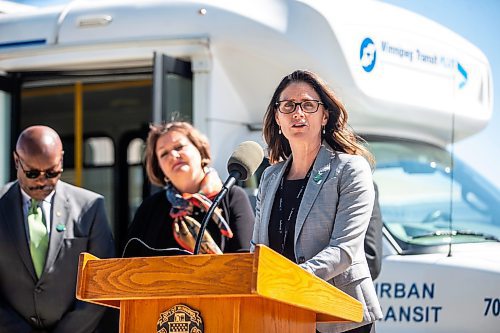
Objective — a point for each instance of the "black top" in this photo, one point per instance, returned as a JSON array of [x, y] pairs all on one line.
[[153, 225], [281, 238]]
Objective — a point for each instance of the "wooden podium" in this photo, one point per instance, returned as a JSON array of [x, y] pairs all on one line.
[[230, 293]]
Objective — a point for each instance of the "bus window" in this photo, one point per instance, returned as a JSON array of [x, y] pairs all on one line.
[[97, 170], [135, 152], [180, 100], [424, 202], [5, 136]]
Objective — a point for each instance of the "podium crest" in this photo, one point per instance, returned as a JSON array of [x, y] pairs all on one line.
[[180, 319]]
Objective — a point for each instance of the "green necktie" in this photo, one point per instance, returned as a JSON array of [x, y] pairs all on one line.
[[39, 237]]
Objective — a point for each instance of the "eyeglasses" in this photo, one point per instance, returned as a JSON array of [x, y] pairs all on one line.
[[308, 106], [34, 174]]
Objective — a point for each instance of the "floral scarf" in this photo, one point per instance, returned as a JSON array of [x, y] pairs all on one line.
[[185, 227]]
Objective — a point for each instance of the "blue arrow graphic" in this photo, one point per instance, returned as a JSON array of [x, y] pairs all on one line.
[[464, 75]]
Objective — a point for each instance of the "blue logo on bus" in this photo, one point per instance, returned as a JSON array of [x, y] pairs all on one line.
[[368, 54], [463, 76]]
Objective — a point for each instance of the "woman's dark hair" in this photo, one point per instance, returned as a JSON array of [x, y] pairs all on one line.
[[338, 134], [153, 170]]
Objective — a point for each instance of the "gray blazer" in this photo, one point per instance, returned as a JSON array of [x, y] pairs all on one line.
[[330, 227], [48, 304]]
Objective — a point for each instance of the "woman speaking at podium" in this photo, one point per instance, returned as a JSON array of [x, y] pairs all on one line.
[[315, 200], [177, 158]]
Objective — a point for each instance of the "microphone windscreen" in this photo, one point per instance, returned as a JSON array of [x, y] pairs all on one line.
[[245, 159]]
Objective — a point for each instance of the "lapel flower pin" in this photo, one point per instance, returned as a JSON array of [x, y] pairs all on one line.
[[317, 178]]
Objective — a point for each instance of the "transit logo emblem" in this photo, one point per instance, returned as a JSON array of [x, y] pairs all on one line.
[[368, 54]]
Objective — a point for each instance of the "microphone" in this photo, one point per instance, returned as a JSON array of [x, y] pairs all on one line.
[[242, 164]]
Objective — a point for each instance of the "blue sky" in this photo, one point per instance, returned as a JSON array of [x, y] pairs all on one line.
[[479, 22]]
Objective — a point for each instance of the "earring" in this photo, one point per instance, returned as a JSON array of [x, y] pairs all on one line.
[[324, 132], [279, 131]]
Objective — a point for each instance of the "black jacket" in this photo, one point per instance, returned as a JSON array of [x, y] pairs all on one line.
[[153, 225], [27, 304], [373, 239]]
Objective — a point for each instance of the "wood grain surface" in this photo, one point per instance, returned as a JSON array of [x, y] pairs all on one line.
[[244, 292]]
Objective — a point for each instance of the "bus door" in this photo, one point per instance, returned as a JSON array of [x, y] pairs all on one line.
[[9, 108], [103, 118], [172, 99]]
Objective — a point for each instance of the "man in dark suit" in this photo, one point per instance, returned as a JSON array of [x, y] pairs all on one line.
[[44, 225], [373, 239]]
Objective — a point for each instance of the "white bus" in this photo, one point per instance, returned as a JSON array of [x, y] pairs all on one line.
[[100, 71]]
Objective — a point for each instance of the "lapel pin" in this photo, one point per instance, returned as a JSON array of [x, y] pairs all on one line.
[[58, 214], [317, 178], [60, 227]]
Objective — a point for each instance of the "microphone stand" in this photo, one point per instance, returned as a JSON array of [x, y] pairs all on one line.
[[225, 188]]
